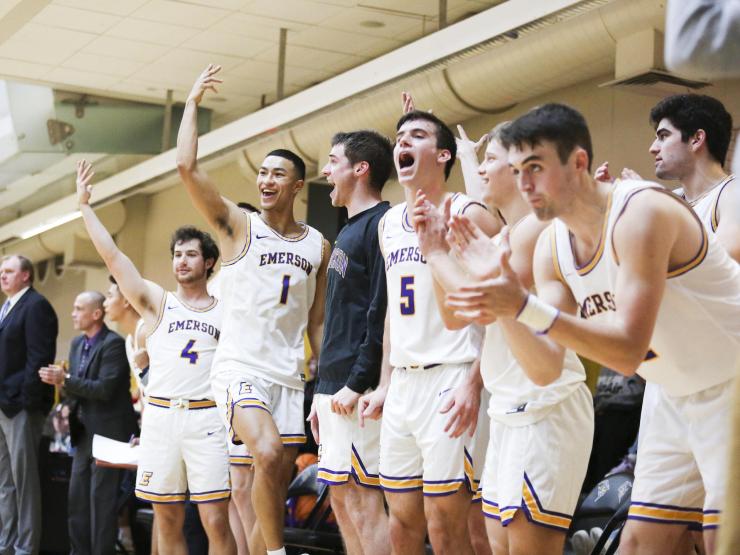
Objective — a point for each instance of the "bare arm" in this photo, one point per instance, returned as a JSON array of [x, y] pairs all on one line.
[[222, 214], [145, 296], [431, 228], [645, 239], [728, 211]]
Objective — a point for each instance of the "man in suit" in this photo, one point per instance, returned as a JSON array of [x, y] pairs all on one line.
[[97, 384], [28, 333]]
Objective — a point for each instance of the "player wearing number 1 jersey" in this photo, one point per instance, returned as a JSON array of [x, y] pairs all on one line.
[[183, 451], [273, 285]]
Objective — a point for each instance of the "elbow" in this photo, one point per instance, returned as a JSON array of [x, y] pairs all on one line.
[[628, 367], [185, 166], [544, 376]]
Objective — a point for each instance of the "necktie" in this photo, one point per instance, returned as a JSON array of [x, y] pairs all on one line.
[[84, 357], [4, 310]]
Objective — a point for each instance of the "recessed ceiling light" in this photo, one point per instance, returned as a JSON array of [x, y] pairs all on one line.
[[372, 24]]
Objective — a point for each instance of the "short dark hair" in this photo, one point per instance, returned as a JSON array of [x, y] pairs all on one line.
[[445, 136], [371, 147], [208, 247], [24, 263], [690, 112], [559, 124], [298, 163], [249, 207]]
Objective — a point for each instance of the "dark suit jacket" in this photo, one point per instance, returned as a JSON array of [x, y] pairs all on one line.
[[100, 399], [28, 341]]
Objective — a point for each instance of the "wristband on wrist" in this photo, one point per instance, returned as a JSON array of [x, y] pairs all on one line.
[[537, 314]]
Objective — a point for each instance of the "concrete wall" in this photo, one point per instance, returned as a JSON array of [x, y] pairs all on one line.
[[620, 130]]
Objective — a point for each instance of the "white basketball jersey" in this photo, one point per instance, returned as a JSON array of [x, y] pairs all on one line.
[[706, 206], [515, 399], [418, 334], [268, 291], [181, 350], [696, 341]]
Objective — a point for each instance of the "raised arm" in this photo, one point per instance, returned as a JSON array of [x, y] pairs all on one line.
[[467, 153], [222, 214], [145, 296]]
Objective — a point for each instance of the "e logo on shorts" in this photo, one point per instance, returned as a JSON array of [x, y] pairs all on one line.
[[245, 388], [145, 477]]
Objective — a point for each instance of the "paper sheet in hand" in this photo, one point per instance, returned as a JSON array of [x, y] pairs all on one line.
[[114, 452]]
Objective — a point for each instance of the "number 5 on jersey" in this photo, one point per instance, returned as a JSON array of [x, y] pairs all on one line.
[[407, 296]]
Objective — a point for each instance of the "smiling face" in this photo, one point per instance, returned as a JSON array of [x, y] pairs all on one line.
[[417, 158], [340, 173], [543, 180], [188, 264], [499, 183], [674, 158], [277, 183]]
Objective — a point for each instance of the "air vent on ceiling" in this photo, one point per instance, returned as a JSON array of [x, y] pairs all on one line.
[[656, 82]]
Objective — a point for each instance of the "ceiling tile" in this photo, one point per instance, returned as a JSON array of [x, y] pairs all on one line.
[[302, 56], [75, 19], [115, 7], [180, 13], [223, 4], [152, 31], [351, 21], [254, 69], [338, 41], [194, 62], [126, 49], [254, 26], [43, 44], [303, 11], [77, 78], [102, 64], [18, 68], [227, 43]]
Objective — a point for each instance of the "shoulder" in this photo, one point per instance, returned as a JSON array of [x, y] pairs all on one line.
[[113, 338]]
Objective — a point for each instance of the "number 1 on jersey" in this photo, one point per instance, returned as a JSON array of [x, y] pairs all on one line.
[[284, 292], [407, 295], [188, 353]]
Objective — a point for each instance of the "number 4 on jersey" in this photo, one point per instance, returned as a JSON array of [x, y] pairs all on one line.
[[188, 352]]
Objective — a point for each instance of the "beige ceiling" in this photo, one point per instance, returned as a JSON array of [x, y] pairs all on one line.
[[141, 48]]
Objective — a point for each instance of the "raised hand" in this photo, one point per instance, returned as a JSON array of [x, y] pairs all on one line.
[[484, 301], [466, 146], [205, 81], [84, 177], [627, 173], [430, 224], [475, 251], [602, 173], [407, 102]]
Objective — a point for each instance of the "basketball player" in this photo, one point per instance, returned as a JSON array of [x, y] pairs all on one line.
[[541, 417], [182, 438], [650, 285], [422, 468], [359, 164], [273, 284]]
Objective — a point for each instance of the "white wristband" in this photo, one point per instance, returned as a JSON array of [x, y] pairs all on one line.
[[537, 314]]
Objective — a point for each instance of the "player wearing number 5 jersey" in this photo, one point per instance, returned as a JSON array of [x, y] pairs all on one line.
[[273, 287], [425, 470], [183, 451]]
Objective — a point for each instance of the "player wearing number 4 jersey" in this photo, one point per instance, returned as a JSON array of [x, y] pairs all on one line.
[[273, 286], [183, 451], [426, 474]]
